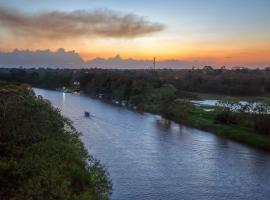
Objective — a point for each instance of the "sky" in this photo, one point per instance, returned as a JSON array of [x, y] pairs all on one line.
[[221, 32]]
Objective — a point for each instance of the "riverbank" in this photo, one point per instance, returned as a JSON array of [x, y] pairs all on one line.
[[201, 118], [146, 157], [206, 121], [183, 112], [41, 155]]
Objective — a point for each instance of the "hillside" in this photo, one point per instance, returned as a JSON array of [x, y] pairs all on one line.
[[41, 155]]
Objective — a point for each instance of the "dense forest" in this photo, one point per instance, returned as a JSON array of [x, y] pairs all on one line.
[[41, 155], [236, 82]]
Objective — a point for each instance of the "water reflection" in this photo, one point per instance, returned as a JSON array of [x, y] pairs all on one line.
[[164, 123], [150, 158], [64, 98]]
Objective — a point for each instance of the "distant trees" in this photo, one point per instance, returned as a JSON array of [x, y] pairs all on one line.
[[46, 78], [241, 82]]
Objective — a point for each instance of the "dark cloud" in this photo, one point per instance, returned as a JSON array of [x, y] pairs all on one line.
[[57, 24]]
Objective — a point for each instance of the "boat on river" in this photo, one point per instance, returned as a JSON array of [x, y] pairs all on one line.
[[88, 114]]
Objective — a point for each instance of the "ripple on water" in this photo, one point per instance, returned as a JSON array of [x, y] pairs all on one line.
[[149, 161]]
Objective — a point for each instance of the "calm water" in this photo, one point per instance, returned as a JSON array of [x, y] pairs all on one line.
[[147, 160]]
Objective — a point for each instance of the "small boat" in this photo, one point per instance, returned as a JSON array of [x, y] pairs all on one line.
[[86, 114]]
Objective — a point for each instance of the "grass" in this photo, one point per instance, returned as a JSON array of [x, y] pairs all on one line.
[[205, 121], [184, 112]]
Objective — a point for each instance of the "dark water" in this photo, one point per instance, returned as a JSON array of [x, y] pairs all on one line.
[[147, 160]]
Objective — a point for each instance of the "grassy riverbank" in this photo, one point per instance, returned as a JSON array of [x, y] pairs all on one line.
[[243, 130], [207, 121], [176, 106], [41, 155]]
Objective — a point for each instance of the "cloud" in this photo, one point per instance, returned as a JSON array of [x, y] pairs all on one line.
[[78, 23]]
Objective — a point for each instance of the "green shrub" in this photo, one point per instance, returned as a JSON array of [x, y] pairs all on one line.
[[226, 117], [41, 155]]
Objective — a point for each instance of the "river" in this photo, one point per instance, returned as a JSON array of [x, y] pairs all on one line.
[[148, 160]]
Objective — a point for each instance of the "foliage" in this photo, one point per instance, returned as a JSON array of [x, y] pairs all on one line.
[[41, 155], [236, 82], [226, 118], [180, 109], [240, 82], [262, 123], [251, 114]]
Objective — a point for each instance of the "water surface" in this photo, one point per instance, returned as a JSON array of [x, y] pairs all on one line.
[[148, 159]]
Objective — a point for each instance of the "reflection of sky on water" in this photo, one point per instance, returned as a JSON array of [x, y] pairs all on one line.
[[64, 97], [147, 160]]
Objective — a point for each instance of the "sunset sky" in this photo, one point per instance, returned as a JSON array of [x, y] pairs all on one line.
[[223, 32]]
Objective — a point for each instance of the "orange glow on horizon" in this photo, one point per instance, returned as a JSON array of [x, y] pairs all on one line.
[[218, 57], [220, 53]]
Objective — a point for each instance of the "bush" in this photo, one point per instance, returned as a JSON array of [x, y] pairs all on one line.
[[262, 123], [180, 109], [226, 117], [41, 155]]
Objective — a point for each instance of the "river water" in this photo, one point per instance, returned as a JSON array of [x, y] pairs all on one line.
[[150, 160]]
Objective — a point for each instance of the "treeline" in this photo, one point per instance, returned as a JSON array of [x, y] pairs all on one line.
[[41, 155], [241, 82], [45, 78], [237, 82]]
